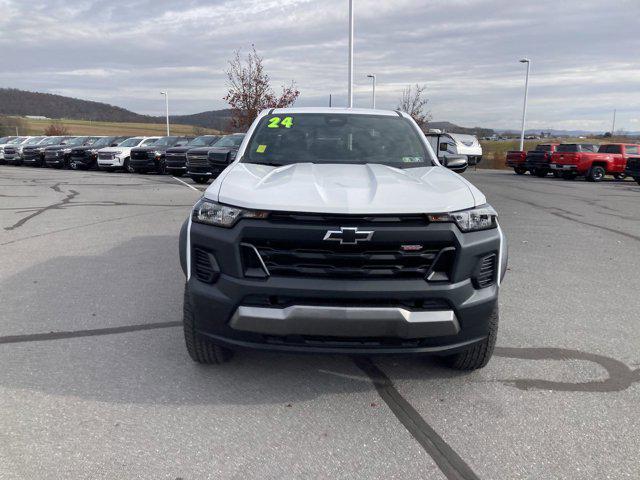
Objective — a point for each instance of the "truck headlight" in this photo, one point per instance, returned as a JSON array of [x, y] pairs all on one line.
[[213, 213], [472, 220], [66, 150]]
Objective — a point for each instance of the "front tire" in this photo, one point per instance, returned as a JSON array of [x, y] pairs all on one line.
[[479, 354], [520, 170], [200, 180], [73, 165], [200, 348], [619, 176], [596, 174]]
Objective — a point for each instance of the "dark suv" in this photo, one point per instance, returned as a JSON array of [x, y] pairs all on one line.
[[58, 156], [207, 162], [177, 156], [34, 155], [86, 156], [152, 158]]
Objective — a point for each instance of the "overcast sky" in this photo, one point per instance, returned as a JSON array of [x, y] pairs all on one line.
[[584, 54]]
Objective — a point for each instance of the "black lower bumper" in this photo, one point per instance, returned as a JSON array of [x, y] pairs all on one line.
[[459, 309]]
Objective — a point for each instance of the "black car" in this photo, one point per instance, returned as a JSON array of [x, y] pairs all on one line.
[[633, 168], [207, 162], [86, 156], [34, 155], [176, 157], [152, 158], [58, 156]]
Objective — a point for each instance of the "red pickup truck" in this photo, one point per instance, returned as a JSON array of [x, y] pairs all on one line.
[[573, 159], [519, 159]]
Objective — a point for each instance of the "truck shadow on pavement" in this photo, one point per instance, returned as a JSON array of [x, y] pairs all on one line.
[[106, 327]]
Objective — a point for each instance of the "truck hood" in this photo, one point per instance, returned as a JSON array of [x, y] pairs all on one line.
[[347, 189]]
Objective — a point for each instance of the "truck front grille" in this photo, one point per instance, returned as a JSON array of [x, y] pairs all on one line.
[[198, 161], [350, 261]]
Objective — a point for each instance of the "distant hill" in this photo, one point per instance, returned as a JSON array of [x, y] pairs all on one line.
[[23, 103]]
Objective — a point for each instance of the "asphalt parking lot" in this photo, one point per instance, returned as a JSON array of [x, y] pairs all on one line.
[[96, 382]]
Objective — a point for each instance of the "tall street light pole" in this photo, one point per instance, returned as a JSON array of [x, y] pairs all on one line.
[[350, 89], [373, 100], [524, 107], [166, 101]]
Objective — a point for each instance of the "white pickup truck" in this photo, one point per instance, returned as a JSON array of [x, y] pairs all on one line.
[[339, 231], [117, 158]]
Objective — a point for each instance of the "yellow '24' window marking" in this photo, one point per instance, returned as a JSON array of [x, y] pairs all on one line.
[[275, 122]]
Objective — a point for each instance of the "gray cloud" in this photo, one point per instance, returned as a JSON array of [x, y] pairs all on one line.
[[466, 52]]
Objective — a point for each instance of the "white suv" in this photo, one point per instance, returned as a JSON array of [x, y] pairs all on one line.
[[117, 158]]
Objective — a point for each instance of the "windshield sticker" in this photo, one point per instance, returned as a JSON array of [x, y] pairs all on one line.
[[276, 122], [261, 148], [411, 159]]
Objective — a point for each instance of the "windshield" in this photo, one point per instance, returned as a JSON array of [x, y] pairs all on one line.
[[16, 140], [103, 142], [33, 141], [568, 147], [229, 141], [337, 138], [203, 141], [149, 141], [165, 141], [52, 141], [130, 142], [76, 141]]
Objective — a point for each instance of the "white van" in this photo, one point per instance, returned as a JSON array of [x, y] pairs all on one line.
[[455, 144]]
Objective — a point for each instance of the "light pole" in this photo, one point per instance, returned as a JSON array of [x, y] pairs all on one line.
[[350, 89], [166, 101], [373, 80], [524, 107]]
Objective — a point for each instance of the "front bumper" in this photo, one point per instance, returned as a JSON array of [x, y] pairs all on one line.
[[112, 162], [372, 316], [139, 163]]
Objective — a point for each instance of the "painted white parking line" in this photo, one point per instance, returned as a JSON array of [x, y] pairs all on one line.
[[185, 183]]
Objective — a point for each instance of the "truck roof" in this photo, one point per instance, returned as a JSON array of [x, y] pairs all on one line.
[[335, 111]]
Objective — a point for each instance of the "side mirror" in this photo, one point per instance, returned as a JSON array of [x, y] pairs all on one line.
[[443, 146], [457, 163]]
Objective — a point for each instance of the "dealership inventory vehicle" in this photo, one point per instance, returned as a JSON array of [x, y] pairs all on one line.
[[117, 158], [13, 153], [86, 156], [447, 144], [338, 231], [176, 157], [59, 156], [633, 168], [207, 162], [34, 155], [575, 159], [9, 142], [537, 160], [152, 157], [516, 159]]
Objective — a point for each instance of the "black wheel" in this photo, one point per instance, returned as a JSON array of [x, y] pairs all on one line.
[[540, 172], [73, 165], [479, 355], [200, 348], [520, 170], [556, 174], [126, 167], [200, 179], [569, 176], [637, 179], [596, 173], [619, 176]]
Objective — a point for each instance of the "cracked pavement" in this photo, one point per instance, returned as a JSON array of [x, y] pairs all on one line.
[[96, 383]]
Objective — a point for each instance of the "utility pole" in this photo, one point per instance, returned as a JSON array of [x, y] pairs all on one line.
[[373, 100], [613, 126], [166, 100], [350, 89], [524, 107], [329, 100]]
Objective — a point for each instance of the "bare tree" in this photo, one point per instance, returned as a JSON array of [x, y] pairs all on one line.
[[414, 103], [250, 89], [56, 128]]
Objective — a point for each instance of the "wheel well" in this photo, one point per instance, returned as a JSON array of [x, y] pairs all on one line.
[[599, 164]]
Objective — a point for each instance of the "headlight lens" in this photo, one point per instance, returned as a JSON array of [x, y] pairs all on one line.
[[66, 150], [473, 220], [212, 213], [158, 153]]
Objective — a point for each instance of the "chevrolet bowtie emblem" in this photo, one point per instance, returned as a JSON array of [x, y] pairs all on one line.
[[348, 235]]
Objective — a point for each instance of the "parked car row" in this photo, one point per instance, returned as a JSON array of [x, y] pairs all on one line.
[[572, 160], [200, 158]]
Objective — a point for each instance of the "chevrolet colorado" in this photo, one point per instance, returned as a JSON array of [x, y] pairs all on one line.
[[177, 156], [338, 231], [207, 162]]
